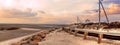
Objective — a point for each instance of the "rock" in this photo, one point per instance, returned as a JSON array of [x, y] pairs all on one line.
[[34, 42], [42, 35], [16, 44], [37, 37]]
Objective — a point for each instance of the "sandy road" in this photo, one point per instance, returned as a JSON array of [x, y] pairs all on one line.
[[63, 38]]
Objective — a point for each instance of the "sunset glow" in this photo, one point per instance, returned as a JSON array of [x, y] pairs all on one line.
[[53, 11]]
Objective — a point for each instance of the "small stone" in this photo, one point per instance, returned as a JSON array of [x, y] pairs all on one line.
[[34, 42]]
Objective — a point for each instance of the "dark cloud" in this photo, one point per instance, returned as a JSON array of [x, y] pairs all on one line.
[[112, 1], [112, 8], [24, 13]]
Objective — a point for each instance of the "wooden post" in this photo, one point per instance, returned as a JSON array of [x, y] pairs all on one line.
[[75, 33], [69, 30], [85, 35], [100, 36]]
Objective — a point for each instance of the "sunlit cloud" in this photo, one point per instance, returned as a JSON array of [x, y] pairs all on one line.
[[53, 11]]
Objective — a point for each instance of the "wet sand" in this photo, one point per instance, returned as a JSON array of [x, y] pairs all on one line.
[[7, 35]]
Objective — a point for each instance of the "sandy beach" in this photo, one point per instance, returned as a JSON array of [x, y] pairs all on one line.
[[63, 38], [56, 37], [6, 35]]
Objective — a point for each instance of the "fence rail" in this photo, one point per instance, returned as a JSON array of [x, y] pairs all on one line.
[[95, 33]]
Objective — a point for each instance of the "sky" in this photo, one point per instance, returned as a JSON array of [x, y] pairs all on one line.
[[56, 11]]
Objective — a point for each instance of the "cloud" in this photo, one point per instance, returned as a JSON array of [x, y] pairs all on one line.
[[53, 11], [17, 16], [15, 13], [28, 16], [55, 19], [71, 6], [112, 1], [112, 10], [112, 6]]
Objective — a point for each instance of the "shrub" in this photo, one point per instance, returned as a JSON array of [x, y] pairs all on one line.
[[12, 28]]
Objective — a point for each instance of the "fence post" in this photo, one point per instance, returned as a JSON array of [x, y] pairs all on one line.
[[85, 35], [100, 36]]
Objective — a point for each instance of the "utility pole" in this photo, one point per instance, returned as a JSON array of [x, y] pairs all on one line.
[[99, 14], [101, 5], [78, 19], [104, 12]]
